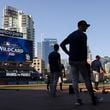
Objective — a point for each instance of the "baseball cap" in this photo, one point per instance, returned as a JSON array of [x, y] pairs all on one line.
[[83, 22], [97, 56]]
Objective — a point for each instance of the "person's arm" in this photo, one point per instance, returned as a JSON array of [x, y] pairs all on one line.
[[63, 45], [64, 72], [49, 58], [102, 69], [59, 59]]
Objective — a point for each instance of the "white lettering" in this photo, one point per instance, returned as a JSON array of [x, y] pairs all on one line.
[[11, 74], [9, 49]]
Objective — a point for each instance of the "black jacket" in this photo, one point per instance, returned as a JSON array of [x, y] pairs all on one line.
[[96, 65], [77, 46], [54, 62]]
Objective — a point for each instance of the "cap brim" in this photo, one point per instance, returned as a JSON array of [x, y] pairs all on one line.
[[88, 25]]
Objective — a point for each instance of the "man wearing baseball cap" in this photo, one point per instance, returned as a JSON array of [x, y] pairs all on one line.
[[77, 53], [84, 23]]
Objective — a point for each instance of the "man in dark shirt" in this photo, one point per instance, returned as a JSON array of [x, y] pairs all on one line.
[[96, 66], [77, 52], [55, 69]]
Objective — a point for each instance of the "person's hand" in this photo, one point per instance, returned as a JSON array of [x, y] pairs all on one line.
[[64, 76], [104, 71]]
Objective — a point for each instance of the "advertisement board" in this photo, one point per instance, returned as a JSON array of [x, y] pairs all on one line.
[[10, 33], [15, 49]]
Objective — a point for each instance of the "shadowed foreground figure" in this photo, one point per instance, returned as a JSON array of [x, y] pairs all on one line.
[[96, 66], [62, 75], [77, 53], [48, 82], [55, 69], [60, 80]]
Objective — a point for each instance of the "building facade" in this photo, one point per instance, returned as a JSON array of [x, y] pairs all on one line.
[[16, 20], [38, 65], [44, 48], [39, 50]]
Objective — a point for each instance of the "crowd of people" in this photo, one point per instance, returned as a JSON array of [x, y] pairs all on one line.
[[77, 53]]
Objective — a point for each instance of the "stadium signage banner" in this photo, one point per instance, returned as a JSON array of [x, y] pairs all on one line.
[[10, 33], [19, 75], [15, 49]]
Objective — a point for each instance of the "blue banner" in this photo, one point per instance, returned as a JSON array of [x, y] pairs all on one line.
[[15, 49]]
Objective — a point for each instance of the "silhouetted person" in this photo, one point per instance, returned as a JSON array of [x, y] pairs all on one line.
[[60, 80], [55, 69], [77, 53], [96, 66], [48, 82], [62, 75]]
